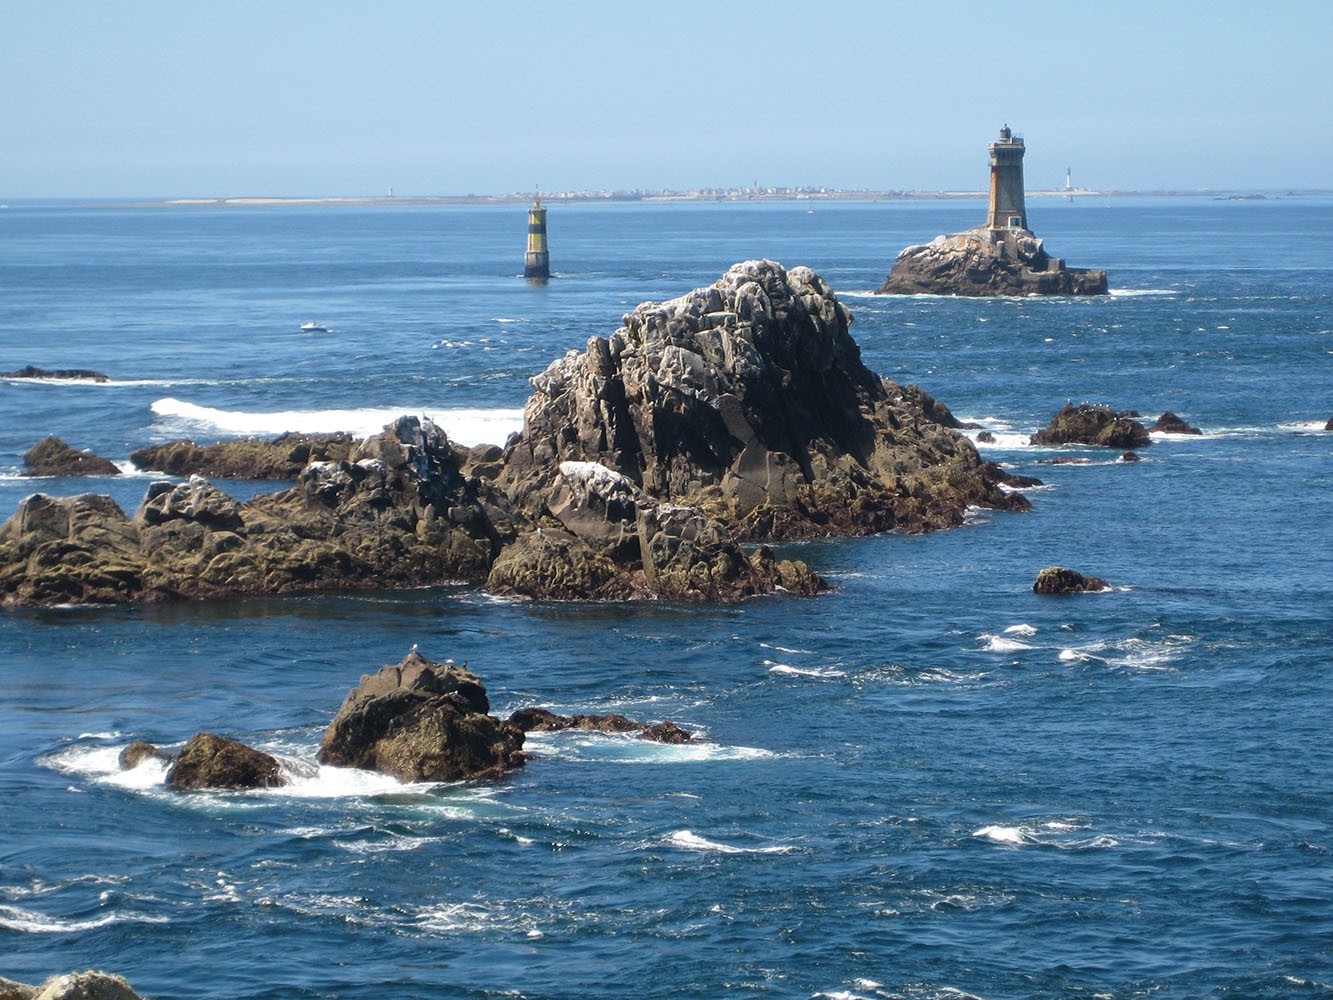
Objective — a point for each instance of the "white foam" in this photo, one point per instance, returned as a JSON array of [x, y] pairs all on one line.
[[1003, 440], [610, 748], [465, 426], [1133, 293], [1011, 835], [785, 668], [999, 644], [16, 918], [1022, 629], [690, 841], [1304, 426]]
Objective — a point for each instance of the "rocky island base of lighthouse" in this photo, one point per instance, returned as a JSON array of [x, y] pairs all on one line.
[[1001, 257]]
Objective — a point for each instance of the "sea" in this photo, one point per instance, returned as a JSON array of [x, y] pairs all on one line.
[[929, 783]]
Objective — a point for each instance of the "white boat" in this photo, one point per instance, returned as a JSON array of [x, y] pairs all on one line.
[[313, 327]]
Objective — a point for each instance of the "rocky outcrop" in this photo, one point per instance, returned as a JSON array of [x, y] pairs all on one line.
[[1169, 423], [1092, 424], [737, 413], [397, 513], [89, 985], [53, 457], [748, 401], [209, 761], [1058, 580], [603, 538], [984, 261], [282, 457], [72, 374], [1329, 425], [541, 720], [421, 721]]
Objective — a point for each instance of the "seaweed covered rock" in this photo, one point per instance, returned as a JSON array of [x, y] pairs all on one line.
[[421, 721], [748, 401], [1093, 424], [282, 457], [210, 761], [53, 457]]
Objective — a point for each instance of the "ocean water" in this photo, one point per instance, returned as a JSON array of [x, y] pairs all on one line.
[[929, 783]]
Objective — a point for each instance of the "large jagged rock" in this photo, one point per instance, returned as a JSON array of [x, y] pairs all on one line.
[[985, 261], [736, 413], [53, 457], [748, 401], [603, 538], [282, 457], [1089, 423], [421, 721], [397, 513], [210, 761]]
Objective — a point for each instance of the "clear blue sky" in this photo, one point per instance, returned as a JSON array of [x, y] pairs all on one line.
[[150, 98]]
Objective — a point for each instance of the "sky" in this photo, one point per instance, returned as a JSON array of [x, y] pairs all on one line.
[[291, 98]]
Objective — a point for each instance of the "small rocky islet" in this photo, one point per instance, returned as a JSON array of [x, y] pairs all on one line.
[[417, 720], [737, 413]]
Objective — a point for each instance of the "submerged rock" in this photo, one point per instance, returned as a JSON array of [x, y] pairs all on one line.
[[209, 761], [421, 721], [1059, 580], [1092, 424], [53, 457], [282, 457], [541, 720]]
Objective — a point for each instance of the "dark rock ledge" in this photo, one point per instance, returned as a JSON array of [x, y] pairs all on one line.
[[736, 413], [1059, 580], [53, 457], [1093, 424]]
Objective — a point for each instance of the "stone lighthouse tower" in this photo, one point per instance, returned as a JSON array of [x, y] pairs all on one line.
[[537, 261], [1007, 210]]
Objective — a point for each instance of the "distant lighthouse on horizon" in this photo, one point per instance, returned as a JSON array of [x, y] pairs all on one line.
[[537, 260]]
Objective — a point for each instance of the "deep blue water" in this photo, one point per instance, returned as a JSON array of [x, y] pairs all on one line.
[[929, 783]]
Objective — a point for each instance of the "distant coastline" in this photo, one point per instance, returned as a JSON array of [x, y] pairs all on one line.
[[700, 195]]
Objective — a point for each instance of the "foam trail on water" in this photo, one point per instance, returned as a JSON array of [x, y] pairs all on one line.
[[999, 644], [16, 918], [691, 841], [465, 426]]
